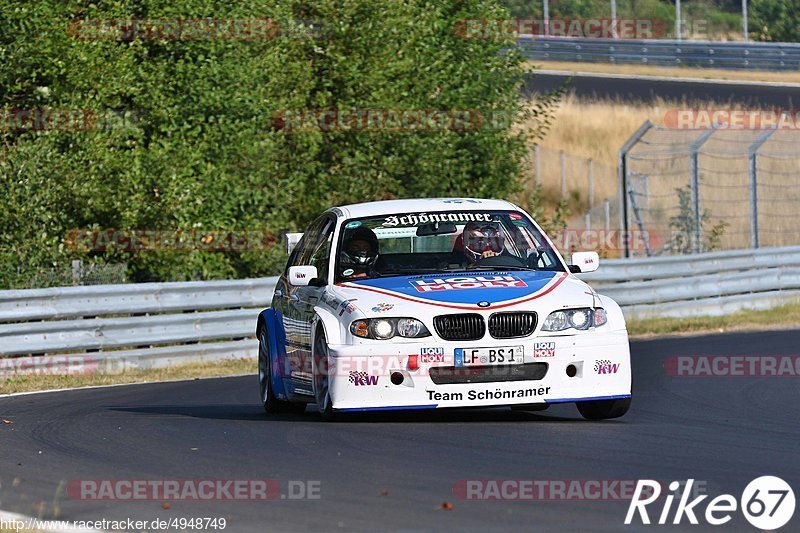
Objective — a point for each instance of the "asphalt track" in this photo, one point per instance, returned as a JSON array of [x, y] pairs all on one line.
[[644, 89], [393, 472]]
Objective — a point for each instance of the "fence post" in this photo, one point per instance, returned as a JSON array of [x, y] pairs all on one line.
[[563, 160], [591, 184], [622, 171], [694, 185], [536, 165], [752, 154], [77, 271]]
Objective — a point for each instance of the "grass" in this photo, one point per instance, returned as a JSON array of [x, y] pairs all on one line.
[[596, 129], [670, 72], [783, 316], [230, 367]]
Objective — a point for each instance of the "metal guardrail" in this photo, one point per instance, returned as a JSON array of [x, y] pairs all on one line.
[[112, 328], [713, 283], [725, 55], [119, 327]]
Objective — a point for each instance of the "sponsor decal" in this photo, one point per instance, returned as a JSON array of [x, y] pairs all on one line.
[[415, 219], [515, 216], [433, 354], [544, 349], [468, 282], [352, 225], [347, 306], [360, 379], [487, 394], [382, 307], [604, 366], [348, 272]]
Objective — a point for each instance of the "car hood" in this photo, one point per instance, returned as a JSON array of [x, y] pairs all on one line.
[[474, 290]]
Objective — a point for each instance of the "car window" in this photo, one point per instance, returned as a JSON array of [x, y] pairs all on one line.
[[452, 241], [314, 247]]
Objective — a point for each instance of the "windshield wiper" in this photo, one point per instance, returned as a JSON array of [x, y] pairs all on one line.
[[498, 267]]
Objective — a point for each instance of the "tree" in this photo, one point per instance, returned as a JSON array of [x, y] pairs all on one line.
[[190, 144], [775, 20]]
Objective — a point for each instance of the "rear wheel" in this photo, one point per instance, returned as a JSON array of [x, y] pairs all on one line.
[[604, 409], [268, 400], [322, 391]]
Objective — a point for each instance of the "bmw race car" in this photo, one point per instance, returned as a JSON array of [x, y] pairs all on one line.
[[432, 303]]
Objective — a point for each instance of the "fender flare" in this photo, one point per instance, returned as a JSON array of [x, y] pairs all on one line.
[[616, 319], [268, 320]]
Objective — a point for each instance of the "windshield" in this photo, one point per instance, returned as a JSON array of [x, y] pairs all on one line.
[[419, 243]]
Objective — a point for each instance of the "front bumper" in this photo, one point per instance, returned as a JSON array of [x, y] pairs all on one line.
[[361, 376]]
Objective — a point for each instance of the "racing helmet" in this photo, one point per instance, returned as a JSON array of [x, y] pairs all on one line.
[[359, 248], [480, 237]]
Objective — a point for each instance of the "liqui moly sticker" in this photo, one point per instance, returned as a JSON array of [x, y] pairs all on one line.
[[469, 282]]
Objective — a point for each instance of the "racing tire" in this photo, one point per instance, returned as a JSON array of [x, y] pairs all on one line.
[[604, 409], [322, 392], [272, 405]]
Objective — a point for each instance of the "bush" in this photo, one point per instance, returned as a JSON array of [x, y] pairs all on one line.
[[189, 144]]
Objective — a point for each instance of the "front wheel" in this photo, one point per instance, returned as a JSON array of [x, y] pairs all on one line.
[[268, 400], [322, 391], [604, 409]]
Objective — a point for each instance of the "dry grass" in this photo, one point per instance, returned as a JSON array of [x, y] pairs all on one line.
[[597, 129], [229, 367], [670, 72], [786, 316]]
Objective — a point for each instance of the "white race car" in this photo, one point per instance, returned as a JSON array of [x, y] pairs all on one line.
[[431, 303]]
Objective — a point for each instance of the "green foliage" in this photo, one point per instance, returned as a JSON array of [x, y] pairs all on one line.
[[775, 20], [192, 144], [683, 227]]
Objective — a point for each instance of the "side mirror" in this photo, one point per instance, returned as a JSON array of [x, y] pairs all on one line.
[[299, 276], [584, 262], [291, 241]]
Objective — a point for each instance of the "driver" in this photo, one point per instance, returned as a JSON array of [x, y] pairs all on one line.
[[481, 240], [359, 253]]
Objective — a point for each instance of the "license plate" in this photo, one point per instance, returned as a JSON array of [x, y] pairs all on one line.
[[509, 355]]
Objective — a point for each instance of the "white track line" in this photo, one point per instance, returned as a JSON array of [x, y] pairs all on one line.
[[37, 524], [89, 387], [712, 81]]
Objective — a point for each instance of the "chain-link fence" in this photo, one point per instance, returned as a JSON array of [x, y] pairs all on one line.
[[714, 189], [78, 273]]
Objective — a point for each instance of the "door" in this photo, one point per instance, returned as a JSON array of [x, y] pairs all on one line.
[[297, 303]]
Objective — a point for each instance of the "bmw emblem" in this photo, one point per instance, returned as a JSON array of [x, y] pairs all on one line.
[[484, 303]]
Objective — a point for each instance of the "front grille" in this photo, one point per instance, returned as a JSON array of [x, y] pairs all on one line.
[[451, 375], [466, 327], [513, 324]]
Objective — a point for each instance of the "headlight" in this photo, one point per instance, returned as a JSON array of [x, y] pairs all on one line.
[[386, 328], [582, 319]]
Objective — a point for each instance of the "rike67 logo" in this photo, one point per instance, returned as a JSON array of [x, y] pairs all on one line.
[[472, 282], [767, 503]]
